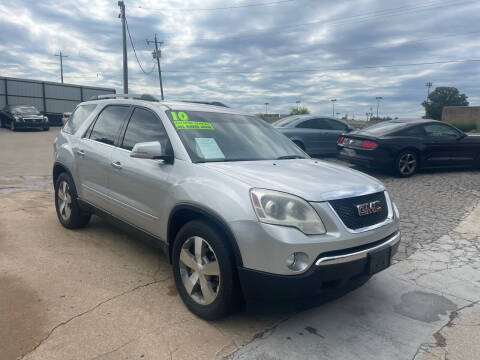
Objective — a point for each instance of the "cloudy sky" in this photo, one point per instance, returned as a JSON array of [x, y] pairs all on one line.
[[248, 52]]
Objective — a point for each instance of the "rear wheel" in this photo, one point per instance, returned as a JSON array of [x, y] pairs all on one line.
[[407, 163], [204, 272], [68, 211]]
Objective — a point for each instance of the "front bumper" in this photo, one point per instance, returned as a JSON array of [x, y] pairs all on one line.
[[331, 271], [31, 124]]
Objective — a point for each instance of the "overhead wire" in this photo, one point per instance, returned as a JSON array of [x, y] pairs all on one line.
[[219, 8], [135, 52]]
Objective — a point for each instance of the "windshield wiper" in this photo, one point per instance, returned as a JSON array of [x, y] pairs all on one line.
[[286, 157]]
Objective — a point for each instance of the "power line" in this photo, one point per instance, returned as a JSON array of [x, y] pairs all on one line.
[[403, 10], [135, 52], [316, 70], [220, 8]]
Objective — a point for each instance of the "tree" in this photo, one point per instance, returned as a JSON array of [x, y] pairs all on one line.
[[300, 111], [440, 97]]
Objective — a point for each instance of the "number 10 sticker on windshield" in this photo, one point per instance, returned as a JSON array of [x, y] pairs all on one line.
[[182, 122]]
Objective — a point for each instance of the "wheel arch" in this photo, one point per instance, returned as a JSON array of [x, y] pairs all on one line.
[[59, 168], [183, 213]]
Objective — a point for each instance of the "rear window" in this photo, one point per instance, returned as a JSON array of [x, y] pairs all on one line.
[[382, 128], [79, 116]]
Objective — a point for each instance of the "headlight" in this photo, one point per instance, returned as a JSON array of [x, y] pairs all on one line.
[[17, 118], [274, 207], [45, 119]]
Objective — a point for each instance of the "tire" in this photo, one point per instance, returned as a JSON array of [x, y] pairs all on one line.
[[209, 296], [46, 128], [406, 163], [68, 212]]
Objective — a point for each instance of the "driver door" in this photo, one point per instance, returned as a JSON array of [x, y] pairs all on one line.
[[138, 186], [444, 146]]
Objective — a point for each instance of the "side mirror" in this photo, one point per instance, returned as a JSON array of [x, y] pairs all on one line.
[[151, 150]]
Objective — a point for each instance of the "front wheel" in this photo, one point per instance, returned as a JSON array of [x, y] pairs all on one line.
[[407, 163], [204, 272]]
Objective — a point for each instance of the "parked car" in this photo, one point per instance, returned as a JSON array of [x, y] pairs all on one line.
[[410, 144], [241, 212], [65, 117], [316, 135], [23, 117]]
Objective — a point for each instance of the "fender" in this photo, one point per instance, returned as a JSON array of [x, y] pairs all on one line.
[[210, 215]]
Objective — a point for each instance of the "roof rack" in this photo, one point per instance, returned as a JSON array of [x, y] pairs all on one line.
[[146, 97], [214, 103]]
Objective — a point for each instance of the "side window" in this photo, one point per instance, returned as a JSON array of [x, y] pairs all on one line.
[[108, 124], [436, 130], [336, 125], [314, 124], [78, 117], [144, 126], [415, 131]]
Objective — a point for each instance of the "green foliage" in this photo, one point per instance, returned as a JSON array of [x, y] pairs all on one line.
[[465, 126], [385, 118], [440, 97], [300, 111]]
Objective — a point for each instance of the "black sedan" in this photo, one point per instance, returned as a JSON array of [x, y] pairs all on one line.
[[407, 145], [23, 117]]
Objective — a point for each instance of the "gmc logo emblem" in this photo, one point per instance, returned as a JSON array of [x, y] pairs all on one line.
[[369, 208]]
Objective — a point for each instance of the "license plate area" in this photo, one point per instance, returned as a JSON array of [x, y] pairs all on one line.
[[379, 260], [348, 152]]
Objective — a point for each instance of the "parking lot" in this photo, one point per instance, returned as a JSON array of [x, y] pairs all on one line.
[[97, 293]]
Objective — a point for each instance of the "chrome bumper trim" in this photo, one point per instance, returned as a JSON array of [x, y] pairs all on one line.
[[329, 260]]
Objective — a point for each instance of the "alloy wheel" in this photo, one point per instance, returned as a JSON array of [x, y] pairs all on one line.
[[199, 270], [407, 164], [64, 199]]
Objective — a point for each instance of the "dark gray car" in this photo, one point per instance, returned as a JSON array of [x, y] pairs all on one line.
[[316, 135]]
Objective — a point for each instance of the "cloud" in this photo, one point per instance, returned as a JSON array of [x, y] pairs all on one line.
[[297, 35]]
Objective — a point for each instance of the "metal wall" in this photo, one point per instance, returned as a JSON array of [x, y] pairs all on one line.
[[51, 98]]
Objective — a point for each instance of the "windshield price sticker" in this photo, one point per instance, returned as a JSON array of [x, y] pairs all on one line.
[[182, 122], [185, 125]]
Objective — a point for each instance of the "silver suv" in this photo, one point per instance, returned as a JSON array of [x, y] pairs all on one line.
[[241, 212]]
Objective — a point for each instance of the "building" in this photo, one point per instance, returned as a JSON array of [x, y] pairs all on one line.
[[462, 114], [50, 98]]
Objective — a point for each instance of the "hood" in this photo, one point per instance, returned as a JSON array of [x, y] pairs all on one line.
[[312, 180], [26, 116]]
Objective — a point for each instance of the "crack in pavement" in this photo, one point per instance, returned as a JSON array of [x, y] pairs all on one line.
[[440, 339], [63, 323]]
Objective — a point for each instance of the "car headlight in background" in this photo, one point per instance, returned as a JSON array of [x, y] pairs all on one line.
[[274, 207], [17, 118], [45, 119]]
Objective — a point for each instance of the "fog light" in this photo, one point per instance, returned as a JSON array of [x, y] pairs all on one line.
[[298, 261]]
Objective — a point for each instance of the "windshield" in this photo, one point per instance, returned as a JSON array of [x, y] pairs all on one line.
[[210, 136], [382, 128], [26, 110]]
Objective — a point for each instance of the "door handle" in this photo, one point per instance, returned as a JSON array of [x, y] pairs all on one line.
[[116, 164], [81, 153]]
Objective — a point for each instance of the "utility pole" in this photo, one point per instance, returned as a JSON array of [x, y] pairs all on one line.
[[333, 106], [121, 4], [156, 55], [428, 85], [378, 98], [61, 56], [266, 108]]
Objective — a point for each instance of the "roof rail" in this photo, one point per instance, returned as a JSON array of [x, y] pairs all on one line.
[[146, 97], [214, 103]]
